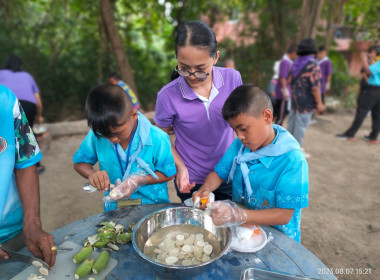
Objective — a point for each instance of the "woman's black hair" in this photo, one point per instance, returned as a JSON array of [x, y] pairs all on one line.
[[13, 63], [198, 34], [106, 105], [246, 99]]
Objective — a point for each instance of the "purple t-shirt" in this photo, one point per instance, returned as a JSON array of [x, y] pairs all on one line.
[[201, 142], [326, 70], [285, 66], [21, 83]]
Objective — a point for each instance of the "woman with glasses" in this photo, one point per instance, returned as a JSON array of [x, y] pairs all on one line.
[[192, 105]]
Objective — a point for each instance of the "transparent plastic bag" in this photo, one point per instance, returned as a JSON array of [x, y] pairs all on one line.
[[225, 213]]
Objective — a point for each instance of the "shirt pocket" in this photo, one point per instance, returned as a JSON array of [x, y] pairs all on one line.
[[262, 198]]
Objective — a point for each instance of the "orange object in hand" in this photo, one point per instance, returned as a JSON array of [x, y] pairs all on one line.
[[204, 200]]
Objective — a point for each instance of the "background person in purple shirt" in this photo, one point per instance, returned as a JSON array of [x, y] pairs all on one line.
[[282, 91], [326, 70], [22, 84], [192, 104]]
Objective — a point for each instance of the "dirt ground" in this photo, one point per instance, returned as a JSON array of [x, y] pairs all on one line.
[[341, 226]]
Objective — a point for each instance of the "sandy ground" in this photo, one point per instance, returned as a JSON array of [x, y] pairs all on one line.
[[341, 226]]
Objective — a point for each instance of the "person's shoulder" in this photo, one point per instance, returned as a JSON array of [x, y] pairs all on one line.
[[294, 158], [169, 88], [227, 72]]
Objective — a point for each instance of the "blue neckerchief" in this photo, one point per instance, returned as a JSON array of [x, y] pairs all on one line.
[[284, 143], [127, 155], [142, 130]]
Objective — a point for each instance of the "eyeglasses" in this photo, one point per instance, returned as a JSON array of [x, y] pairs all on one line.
[[185, 73]]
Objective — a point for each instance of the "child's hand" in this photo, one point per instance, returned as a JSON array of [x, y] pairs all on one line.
[[227, 214], [100, 180], [203, 196], [128, 187], [182, 181]]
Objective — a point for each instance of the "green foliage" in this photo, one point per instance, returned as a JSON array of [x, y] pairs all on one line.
[[342, 83], [362, 17], [64, 46]]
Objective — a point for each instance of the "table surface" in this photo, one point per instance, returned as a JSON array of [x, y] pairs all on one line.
[[281, 254]]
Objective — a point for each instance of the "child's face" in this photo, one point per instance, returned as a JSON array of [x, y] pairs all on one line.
[[113, 81], [321, 54], [254, 133], [292, 55], [122, 133]]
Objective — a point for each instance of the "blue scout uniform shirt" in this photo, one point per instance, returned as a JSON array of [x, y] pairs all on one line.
[[279, 181], [150, 145], [374, 79], [131, 94], [18, 149]]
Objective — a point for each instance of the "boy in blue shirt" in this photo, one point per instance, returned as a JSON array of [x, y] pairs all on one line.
[[265, 163], [127, 147]]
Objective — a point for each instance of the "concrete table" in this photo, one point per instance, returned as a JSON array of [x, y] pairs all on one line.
[[282, 254]]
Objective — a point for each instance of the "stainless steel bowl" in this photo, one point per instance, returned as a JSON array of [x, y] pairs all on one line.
[[172, 216]]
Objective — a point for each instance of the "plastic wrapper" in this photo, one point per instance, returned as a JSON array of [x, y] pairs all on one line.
[[225, 213]]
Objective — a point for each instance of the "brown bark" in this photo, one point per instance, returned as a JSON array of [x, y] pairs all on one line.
[[334, 18], [120, 55], [311, 10]]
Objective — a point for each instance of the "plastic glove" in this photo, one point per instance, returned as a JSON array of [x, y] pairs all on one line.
[[225, 213], [285, 93], [327, 87], [128, 187]]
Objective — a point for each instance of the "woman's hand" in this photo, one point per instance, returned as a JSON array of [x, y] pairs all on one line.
[[182, 181]]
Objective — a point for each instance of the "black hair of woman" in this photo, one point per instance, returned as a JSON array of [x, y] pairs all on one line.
[[13, 63], [197, 34], [106, 105]]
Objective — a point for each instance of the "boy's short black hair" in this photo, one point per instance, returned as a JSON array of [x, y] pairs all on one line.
[[292, 48], [321, 48], [114, 75], [106, 105], [246, 99]]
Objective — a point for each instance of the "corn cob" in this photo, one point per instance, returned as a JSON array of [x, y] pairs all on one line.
[[84, 268], [101, 262], [83, 254]]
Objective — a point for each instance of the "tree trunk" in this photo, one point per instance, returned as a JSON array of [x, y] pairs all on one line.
[[334, 18], [120, 55], [309, 19]]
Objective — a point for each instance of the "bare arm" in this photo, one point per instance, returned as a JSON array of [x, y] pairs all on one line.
[[317, 97], [363, 57], [328, 80], [227, 213], [37, 240], [161, 178], [39, 117], [274, 216], [284, 89]]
